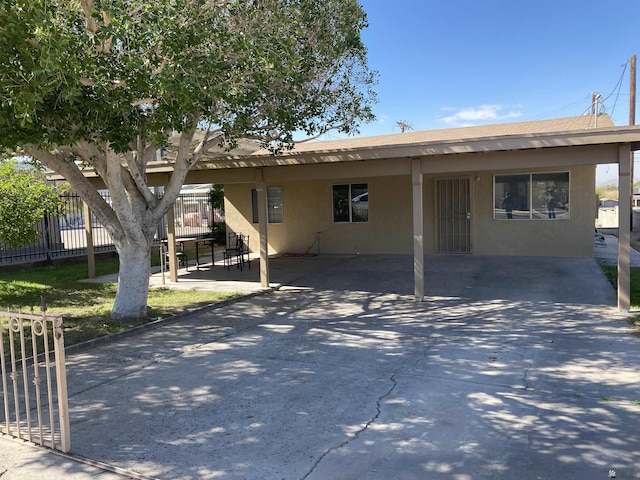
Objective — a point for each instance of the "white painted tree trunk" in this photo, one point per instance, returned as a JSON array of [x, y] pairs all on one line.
[[133, 213], [133, 282]]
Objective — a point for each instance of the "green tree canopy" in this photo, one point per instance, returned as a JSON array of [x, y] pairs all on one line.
[[216, 197], [113, 71], [106, 83], [25, 198]]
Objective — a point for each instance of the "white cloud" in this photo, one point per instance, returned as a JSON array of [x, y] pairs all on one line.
[[470, 116]]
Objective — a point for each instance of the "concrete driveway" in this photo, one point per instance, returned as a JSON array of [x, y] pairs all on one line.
[[513, 369]]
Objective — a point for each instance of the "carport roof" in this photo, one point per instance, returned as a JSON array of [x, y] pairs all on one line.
[[583, 130], [462, 133]]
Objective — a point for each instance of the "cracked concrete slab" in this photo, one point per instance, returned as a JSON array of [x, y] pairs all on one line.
[[343, 376]]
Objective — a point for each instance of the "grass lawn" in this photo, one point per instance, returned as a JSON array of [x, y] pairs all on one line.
[[85, 306], [612, 275]]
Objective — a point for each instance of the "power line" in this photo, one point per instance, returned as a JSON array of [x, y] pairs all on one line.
[[617, 87]]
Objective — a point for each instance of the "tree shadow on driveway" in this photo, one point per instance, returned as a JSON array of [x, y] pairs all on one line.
[[321, 382]]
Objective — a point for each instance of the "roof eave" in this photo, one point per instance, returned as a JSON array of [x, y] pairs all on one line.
[[605, 136]]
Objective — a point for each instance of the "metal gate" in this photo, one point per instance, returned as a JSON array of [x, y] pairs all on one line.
[[33, 368], [453, 215]]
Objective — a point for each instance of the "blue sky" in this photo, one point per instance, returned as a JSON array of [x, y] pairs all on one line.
[[450, 63]]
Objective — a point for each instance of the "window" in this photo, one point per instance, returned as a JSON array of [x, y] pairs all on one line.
[[535, 196], [550, 196], [274, 205], [512, 197], [351, 203]]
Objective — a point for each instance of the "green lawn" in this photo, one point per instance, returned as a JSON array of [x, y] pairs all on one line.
[[85, 306], [612, 275]]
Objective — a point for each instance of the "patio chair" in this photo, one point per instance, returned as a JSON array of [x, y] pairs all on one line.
[[181, 256], [237, 253]]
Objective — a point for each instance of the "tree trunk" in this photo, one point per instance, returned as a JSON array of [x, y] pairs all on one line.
[[133, 281]]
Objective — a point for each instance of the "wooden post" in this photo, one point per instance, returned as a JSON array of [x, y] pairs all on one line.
[[632, 121], [261, 190], [624, 215], [632, 92], [171, 240]]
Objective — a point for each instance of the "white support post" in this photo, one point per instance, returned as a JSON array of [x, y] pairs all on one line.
[[418, 229], [624, 229]]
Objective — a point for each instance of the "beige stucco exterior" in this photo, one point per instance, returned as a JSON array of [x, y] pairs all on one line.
[[307, 204], [308, 219], [308, 225], [572, 237]]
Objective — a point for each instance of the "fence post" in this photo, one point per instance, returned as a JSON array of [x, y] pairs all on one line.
[[88, 228], [47, 240], [61, 383]]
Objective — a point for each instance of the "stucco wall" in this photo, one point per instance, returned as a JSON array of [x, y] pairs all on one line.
[[573, 237], [308, 218]]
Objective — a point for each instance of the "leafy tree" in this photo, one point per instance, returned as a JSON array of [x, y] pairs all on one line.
[[106, 83], [607, 191], [216, 197], [218, 229], [25, 198]]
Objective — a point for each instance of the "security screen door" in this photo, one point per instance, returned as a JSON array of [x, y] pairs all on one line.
[[453, 215]]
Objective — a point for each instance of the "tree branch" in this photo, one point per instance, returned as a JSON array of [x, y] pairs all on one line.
[[87, 9], [212, 138], [66, 167], [118, 186], [88, 6], [136, 168], [181, 167]]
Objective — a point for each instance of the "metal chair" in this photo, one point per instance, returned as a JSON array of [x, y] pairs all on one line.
[[237, 253], [183, 261]]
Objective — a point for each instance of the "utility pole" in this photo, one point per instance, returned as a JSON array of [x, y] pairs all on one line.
[[404, 126], [632, 119], [632, 93], [595, 101]]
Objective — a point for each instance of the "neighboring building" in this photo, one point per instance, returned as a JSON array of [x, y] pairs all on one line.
[[608, 203]]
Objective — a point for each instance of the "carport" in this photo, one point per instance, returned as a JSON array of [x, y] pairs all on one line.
[[474, 153]]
